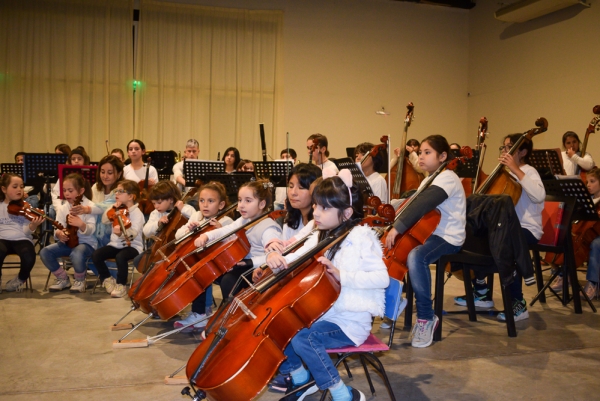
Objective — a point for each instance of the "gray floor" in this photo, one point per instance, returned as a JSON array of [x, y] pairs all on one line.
[[58, 346]]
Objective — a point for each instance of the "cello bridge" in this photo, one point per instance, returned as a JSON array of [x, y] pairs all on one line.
[[244, 308]]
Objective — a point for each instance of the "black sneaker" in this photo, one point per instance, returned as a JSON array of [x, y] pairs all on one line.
[[280, 384], [300, 392], [519, 311], [356, 394]]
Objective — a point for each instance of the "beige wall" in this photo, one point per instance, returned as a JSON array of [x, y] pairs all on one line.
[[346, 59], [542, 68]]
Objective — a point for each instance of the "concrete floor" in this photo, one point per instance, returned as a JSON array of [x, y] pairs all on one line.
[[58, 346]]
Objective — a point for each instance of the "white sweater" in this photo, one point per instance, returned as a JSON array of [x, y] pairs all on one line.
[[137, 225], [151, 226], [87, 236]]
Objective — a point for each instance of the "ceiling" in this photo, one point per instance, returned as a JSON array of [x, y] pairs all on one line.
[[466, 4]]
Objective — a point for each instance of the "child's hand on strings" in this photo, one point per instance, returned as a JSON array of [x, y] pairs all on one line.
[[390, 240], [276, 261], [215, 223], [201, 241], [334, 271], [164, 220]]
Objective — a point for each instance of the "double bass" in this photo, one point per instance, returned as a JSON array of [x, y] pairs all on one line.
[[396, 258], [500, 181], [403, 174], [246, 338], [482, 133]]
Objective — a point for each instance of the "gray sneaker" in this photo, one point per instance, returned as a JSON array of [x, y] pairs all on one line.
[[60, 284], [15, 285], [78, 286], [119, 291], [109, 284], [422, 333]]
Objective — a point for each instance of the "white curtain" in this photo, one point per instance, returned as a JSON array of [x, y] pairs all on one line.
[[66, 72], [212, 74]]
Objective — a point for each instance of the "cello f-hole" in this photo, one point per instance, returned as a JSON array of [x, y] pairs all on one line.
[[258, 330]]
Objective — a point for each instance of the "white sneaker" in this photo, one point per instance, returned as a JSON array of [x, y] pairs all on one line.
[[119, 291], [60, 284], [15, 285], [109, 284], [78, 286], [422, 333], [198, 319]]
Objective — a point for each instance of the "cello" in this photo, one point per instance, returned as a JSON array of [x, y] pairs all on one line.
[[145, 204], [592, 127], [246, 338], [500, 181], [403, 174], [372, 203], [395, 258], [481, 146]]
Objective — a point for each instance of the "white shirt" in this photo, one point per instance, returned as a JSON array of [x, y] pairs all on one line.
[[198, 217], [570, 163], [13, 228], [531, 203], [151, 225], [329, 164], [140, 174], [137, 225], [378, 185], [453, 210]]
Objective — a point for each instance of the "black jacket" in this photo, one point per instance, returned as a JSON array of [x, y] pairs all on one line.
[[494, 217]]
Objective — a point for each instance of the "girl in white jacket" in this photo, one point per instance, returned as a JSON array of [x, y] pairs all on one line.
[[356, 262]]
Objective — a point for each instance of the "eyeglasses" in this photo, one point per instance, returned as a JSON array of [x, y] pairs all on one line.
[[505, 147], [121, 191]]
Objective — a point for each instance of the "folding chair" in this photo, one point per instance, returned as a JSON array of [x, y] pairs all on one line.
[[112, 265], [394, 305], [17, 265], [66, 264]]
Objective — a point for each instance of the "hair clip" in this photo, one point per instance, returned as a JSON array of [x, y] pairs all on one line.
[[267, 185]]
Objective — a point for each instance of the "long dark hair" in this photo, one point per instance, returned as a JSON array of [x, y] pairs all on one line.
[[333, 193], [440, 145], [236, 154], [306, 175]]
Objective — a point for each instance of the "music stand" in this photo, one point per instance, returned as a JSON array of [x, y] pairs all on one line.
[[275, 171], [467, 169], [358, 178], [572, 186], [232, 182], [196, 169], [548, 162], [87, 172], [14, 168], [42, 169], [163, 161]]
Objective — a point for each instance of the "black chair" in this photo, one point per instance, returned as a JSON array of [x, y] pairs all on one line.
[[558, 240]]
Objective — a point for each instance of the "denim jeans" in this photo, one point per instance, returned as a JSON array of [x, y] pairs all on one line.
[[309, 346], [79, 255], [420, 274], [593, 270]]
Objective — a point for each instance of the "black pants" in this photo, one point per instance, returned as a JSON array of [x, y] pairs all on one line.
[[228, 280], [121, 255], [24, 248]]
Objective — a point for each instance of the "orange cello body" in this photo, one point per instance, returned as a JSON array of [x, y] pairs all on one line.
[[410, 178], [164, 238], [583, 233], [396, 258], [144, 289], [212, 264], [241, 353], [502, 183]]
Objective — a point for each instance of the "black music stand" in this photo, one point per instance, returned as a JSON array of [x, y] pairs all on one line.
[[232, 182], [42, 169], [163, 161], [467, 169], [14, 168], [274, 171], [87, 172], [196, 169], [548, 162], [571, 186], [358, 178]]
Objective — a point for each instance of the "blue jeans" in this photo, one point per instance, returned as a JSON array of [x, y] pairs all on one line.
[[79, 255], [593, 270], [420, 274], [309, 346]]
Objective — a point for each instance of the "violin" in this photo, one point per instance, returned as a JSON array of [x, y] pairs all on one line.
[[500, 181], [71, 230], [403, 174], [396, 258], [157, 272], [212, 261], [246, 338], [144, 203], [120, 218], [593, 126], [24, 209]]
